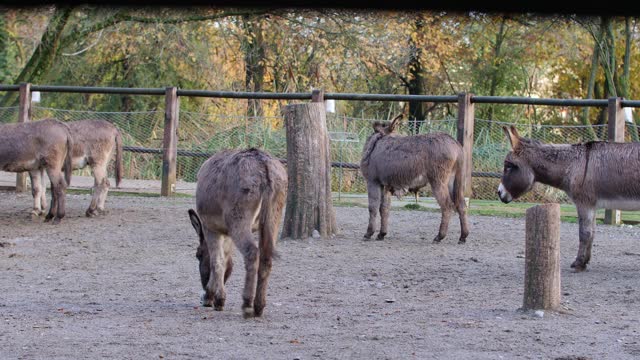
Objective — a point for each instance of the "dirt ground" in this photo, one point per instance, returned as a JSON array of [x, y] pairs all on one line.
[[126, 286]]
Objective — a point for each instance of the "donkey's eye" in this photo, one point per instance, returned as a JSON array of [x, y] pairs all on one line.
[[509, 166]]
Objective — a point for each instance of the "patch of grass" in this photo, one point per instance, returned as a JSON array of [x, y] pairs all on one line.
[[414, 207]]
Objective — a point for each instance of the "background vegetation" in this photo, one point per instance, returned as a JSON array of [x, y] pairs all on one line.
[[280, 50], [343, 51]]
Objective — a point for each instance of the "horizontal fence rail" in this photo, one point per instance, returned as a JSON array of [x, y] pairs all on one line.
[[476, 99], [158, 152]]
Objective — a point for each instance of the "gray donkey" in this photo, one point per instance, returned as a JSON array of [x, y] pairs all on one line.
[[35, 147], [94, 144], [238, 192], [395, 164], [594, 175]]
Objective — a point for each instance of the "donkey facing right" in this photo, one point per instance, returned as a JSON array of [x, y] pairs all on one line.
[[594, 175]]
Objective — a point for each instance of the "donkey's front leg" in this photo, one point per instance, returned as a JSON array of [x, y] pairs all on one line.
[[214, 290], [374, 193], [587, 224]]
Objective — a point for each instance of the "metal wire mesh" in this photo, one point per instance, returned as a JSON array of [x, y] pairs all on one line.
[[8, 114], [201, 134], [491, 146], [140, 130]]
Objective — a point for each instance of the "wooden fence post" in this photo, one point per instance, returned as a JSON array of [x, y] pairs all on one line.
[[615, 132], [466, 118], [309, 204], [170, 142], [542, 258], [24, 115]]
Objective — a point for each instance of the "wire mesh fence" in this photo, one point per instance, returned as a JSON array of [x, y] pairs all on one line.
[[201, 134]]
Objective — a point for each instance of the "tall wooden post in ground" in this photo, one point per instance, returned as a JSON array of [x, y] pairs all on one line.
[[170, 142], [615, 132], [542, 258], [466, 118], [309, 205], [24, 115]]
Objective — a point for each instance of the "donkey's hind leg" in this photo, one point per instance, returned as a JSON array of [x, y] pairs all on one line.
[[461, 208], [58, 191], [244, 241], [100, 189], [441, 193], [385, 205], [374, 193], [587, 225], [38, 190]]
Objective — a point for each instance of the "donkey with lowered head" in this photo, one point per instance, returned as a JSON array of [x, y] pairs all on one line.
[[36, 147], [594, 175], [394, 165], [238, 192]]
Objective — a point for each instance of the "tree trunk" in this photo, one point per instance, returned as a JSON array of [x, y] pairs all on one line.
[[624, 80], [542, 258], [495, 67], [4, 50], [43, 56], [595, 60], [254, 62], [415, 84], [309, 205]]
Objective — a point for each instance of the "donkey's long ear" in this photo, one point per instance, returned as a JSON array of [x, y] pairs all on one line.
[[512, 135], [393, 124]]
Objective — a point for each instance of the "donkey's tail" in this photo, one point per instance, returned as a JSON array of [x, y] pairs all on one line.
[[68, 160], [267, 231], [119, 164], [457, 193]]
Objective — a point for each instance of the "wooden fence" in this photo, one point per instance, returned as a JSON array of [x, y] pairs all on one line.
[[465, 121]]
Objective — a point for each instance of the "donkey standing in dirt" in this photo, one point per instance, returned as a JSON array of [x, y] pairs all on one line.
[[94, 143], [594, 175], [394, 165], [238, 193], [36, 147]]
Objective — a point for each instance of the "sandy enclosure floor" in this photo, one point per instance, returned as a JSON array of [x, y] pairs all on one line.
[[126, 286]]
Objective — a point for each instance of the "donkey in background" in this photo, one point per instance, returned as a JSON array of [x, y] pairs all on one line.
[[594, 175], [36, 147], [238, 193], [394, 164], [94, 144]]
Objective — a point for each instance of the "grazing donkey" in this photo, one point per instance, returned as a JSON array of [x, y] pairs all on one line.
[[35, 147], [594, 175], [238, 193], [95, 142], [394, 164]]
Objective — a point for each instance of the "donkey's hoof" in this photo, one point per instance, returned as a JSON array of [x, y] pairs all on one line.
[[462, 241], [437, 239], [48, 218], [367, 237], [248, 313], [381, 236], [91, 213], [56, 221], [578, 266]]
